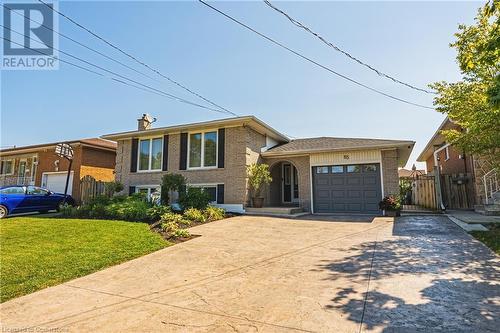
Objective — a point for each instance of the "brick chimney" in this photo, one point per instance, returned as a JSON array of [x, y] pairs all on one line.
[[145, 122]]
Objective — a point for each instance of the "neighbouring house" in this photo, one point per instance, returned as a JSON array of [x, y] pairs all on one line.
[[39, 165], [405, 173], [463, 176], [320, 175]]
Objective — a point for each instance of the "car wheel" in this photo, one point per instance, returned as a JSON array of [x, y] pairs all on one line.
[[3, 212]]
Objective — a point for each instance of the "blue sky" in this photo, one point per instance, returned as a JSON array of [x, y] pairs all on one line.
[[241, 71]]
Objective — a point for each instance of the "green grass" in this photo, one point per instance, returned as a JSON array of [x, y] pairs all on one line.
[[490, 238], [40, 252]]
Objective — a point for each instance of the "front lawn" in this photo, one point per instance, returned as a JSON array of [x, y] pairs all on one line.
[[490, 238], [40, 252]]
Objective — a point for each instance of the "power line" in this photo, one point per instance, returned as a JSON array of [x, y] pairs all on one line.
[[336, 48], [136, 59], [135, 85], [311, 60]]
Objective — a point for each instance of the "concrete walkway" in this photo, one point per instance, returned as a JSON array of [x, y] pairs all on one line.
[[249, 274]]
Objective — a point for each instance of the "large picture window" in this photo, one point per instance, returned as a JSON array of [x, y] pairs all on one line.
[[203, 150], [150, 154]]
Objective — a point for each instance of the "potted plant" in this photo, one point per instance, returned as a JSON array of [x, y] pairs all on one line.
[[258, 176], [391, 205]]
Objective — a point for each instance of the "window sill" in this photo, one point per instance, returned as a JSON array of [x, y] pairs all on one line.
[[148, 171], [202, 168]]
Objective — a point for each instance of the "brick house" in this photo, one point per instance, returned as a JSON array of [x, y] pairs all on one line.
[[318, 175], [39, 165]]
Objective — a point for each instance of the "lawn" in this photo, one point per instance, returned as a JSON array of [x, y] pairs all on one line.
[[490, 238], [40, 252]]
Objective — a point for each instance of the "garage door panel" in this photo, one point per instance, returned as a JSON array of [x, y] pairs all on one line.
[[337, 181], [338, 194], [348, 192]]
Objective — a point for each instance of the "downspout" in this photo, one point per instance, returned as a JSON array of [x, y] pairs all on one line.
[[439, 193]]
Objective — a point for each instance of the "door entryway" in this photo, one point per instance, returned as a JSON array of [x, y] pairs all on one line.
[[290, 183]]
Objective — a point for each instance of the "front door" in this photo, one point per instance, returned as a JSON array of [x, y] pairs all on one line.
[[290, 183]]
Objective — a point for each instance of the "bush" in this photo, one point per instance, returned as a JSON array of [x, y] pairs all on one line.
[[195, 215], [113, 187], [194, 197], [214, 213], [390, 203], [175, 218], [171, 182], [155, 213], [258, 176], [184, 233]]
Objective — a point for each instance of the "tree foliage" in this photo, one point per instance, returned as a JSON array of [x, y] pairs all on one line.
[[474, 102]]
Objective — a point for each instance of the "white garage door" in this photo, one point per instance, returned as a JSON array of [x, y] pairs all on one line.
[[57, 181]]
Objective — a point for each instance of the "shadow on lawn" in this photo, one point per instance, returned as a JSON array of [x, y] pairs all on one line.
[[442, 281]]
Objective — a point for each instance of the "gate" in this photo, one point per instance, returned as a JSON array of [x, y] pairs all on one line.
[[418, 192], [458, 191]]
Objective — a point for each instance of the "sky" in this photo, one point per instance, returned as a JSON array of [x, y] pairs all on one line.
[[241, 71]]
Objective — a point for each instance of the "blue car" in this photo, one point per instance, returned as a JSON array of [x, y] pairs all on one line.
[[25, 199]]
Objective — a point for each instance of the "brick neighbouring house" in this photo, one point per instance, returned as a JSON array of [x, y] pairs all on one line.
[[39, 165], [317, 174]]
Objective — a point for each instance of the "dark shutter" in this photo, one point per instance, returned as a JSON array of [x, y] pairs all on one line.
[[133, 155], [220, 193], [131, 190], [184, 149], [1, 167], [221, 147], [165, 153]]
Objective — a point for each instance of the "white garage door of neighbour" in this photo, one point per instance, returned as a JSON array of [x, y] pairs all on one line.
[[57, 181]]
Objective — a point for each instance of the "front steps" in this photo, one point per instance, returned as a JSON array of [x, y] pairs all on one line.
[[490, 209], [287, 212]]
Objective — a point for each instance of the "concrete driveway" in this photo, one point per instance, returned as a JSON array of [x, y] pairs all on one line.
[[249, 274]]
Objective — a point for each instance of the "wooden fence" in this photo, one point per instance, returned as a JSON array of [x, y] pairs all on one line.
[[90, 188], [424, 192], [458, 191]]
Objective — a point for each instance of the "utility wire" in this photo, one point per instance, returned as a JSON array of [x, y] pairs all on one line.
[[311, 60], [336, 48], [136, 59], [82, 45], [137, 84]]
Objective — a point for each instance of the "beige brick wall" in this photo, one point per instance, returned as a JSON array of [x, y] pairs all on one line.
[[390, 172], [241, 147], [304, 172]]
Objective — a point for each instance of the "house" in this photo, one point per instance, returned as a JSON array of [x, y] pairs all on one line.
[[405, 173], [320, 175], [458, 169], [39, 165]]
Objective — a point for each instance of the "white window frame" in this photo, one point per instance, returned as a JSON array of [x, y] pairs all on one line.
[[208, 185], [150, 154], [11, 168], [446, 154], [149, 188], [203, 149]]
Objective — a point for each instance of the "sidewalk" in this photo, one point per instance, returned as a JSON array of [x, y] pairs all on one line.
[[470, 220]]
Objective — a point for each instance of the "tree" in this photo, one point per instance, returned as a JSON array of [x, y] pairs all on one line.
[[171, 182], [258, 175], [474, 102]]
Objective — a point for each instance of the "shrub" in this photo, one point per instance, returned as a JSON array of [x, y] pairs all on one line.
[[194, 197], [194, 215], [113, 187], [134, 208], [171, 182], [155, 213], [214, 213], [170, 227], [175, 218], [390, 203], [184, 233], [258, 175]]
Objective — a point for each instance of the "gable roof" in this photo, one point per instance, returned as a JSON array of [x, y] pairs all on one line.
[[91, 142], [250, 121], [437, 139]]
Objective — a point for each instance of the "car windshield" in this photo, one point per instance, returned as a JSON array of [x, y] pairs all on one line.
[[12, 190]]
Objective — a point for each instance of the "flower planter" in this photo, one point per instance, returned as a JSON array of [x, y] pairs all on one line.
[[257, 202], [392, 213]]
